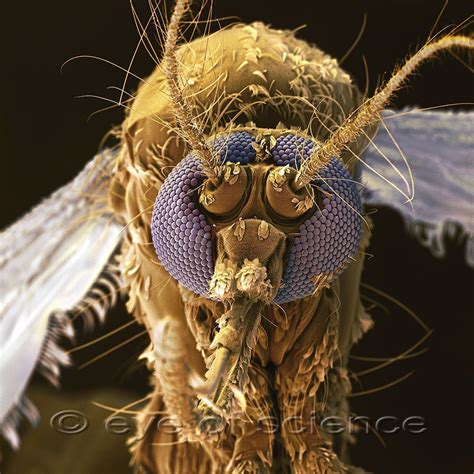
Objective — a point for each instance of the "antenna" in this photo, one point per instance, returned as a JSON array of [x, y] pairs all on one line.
[[369, 112], [182, 110]]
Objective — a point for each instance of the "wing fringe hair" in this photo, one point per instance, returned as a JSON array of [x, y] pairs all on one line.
[[54, 262]]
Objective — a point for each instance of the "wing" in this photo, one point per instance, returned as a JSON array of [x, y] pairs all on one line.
[[49, 260], [438, 146]]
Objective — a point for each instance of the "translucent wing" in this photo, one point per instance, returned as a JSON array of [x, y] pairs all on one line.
[[438, 146], [49, 260]]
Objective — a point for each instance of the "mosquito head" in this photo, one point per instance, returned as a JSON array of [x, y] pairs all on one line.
[[320, 223]]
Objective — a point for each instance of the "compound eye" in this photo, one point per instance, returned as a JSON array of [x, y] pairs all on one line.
[[328, 237], [224, 198], [283, 196], [181, 234]]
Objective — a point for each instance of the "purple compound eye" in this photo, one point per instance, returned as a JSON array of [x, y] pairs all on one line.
[[181, 234], [330, 237], [235, 148], [326, 240]]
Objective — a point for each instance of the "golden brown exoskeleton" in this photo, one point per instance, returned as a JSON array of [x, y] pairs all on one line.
[[273, 371]]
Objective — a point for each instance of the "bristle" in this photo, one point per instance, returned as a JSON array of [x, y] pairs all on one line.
[[181, 108], [9, 428], [368, 113]]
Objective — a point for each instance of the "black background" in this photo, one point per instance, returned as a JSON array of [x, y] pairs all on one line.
[[46, 137]]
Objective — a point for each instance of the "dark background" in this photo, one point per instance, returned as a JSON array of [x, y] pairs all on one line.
[[46, 137]]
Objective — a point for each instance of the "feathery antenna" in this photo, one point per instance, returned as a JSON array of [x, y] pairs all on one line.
[[368, 113], [181, 109]]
